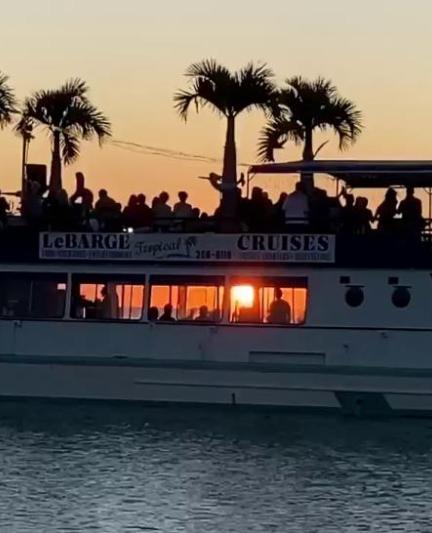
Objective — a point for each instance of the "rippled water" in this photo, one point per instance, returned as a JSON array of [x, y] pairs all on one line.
[[132, 469]]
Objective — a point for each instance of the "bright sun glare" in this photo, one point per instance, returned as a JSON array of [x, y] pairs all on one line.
[[243, 295]]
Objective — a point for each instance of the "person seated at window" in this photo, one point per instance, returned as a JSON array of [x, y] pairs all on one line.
[[203, 314], [166, 316], [279, 310], [386, 212], [411, 210], [109, 305], [296, 207], [153, 314]]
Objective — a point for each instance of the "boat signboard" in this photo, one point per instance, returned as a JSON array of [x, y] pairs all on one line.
[[184, 247]]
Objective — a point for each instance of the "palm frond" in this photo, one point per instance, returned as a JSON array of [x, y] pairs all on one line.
[[317, 104], [209, 69], [276, 134], [7, 101], [204, 92], [254, 89], [70, 148], [67, 110], [86, 120]]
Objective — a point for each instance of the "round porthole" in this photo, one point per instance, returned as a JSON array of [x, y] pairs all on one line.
[[354, 296], [401, 297]]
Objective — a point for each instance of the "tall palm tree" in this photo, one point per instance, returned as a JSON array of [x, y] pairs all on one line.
[[228, 94], [69, 117], [7, 101], [306, 107]]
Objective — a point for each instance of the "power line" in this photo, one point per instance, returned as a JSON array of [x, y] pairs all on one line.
[[168, 153]]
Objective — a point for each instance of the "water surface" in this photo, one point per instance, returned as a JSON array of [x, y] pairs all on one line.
[[115, 469]]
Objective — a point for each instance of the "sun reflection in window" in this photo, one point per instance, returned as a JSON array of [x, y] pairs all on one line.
[[243, 295]]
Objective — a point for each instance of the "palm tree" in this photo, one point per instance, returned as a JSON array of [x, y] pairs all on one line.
[[7, 101], [306, 107], [228, 94], [69, 117]]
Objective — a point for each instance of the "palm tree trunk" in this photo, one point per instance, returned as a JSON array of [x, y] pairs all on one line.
[[56, 164], [229, 174], [307, 178]]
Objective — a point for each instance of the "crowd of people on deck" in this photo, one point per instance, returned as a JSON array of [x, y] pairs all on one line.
[[303, 209]]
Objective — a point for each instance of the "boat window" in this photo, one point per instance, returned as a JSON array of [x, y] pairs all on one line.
[[107, 297], [186, 298], [32, 295], [276, 301]]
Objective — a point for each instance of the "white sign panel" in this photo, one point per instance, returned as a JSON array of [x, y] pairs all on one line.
[[290, 248]]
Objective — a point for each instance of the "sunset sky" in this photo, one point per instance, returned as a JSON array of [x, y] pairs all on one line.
[[133, 54]]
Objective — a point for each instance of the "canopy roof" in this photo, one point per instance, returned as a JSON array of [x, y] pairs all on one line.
[[360, 174]]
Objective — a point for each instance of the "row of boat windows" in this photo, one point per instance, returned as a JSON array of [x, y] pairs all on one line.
[[280, 301]]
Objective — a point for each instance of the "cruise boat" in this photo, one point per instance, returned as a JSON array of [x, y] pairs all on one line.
[[192, 318]]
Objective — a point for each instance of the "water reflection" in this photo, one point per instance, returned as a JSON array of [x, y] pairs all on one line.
[[106, 469]]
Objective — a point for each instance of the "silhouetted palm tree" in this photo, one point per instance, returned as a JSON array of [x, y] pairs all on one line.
[[229, 94], [7, 101], [305, 107], [69, 117]]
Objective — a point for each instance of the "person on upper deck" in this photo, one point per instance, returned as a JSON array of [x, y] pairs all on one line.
[[279, 310], [4, 208], [296, 207], [182, 209], [348, 213], [130, 213], [386, 212], [162, 212], [364, 216], [166, 316], [411, 210], [84, 195], [144, 213]]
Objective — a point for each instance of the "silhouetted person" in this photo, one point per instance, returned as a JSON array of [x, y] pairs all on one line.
[[364, 216], [162, 212], [130, 213], [106, 209], [279, 310], [203, 314], [153, 314], [296, 207], [109, 304], [182, 209], [349, 218], [386, 212], [144, 213], [82, 195], [278, 212], [166, 316], [411, 210], [4, 208], [319, 210]]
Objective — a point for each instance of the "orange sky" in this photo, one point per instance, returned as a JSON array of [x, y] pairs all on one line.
[[133, 54]]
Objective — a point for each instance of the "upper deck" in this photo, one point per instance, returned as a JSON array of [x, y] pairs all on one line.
[[321, 240]]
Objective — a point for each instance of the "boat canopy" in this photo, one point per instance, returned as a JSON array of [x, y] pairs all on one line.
[[358, 174]]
